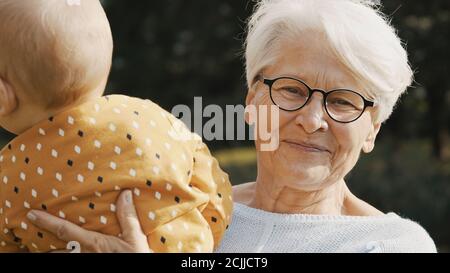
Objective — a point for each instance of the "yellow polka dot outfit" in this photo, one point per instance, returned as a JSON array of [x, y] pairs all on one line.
[[74, 165]]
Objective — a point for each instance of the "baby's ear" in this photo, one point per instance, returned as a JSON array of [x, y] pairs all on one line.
[[8, 99]]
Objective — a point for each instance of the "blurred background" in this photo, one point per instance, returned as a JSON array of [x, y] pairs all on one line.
[[170, 51]]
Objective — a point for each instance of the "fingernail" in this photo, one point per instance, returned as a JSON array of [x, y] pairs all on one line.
[[128, 197], [31, 216]]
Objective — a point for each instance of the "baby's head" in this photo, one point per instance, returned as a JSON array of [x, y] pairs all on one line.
[[53, 54]]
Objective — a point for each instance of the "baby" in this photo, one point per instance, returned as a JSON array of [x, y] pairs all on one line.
[[76, 150]]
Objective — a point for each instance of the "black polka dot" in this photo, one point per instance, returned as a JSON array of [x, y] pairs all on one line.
[[163, 240], [44, 207], [40, 235], [17, 240], [16, 190], [107, 98], [100, 179], [136, 113], [220, 195], [70, 163], [214, 219], [9, 147], [91, 205], [80, 133], [190, 185], [158, 156], [189, 173], [27, 160], [194, 159], [149, 183], [177, 199], [50, 118], [227, 227], [129, 137]]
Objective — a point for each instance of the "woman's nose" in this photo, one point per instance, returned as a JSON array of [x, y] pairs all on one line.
[[312, 117]]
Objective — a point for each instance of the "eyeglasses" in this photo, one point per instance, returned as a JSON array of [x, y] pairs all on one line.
[[341, 105]]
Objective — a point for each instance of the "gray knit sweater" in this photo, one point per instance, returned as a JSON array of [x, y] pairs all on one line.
[[253, 230]]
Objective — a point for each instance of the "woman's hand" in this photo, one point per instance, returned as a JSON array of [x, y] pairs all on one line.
[[132, 240]]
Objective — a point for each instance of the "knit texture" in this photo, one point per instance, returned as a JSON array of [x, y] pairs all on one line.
[[253, 230]]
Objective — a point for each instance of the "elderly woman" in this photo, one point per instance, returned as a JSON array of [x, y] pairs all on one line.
[[335, 69]]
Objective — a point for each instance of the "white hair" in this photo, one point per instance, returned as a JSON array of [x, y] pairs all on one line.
[[359, 34]]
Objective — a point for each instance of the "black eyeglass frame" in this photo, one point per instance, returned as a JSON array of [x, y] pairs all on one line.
[[311, 91]]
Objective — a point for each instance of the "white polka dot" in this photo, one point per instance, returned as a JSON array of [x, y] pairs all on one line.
[[173, 213], [13, 159], [54, 153], [91, 166], [117, 150], [183, 156], [103, 220], [5, 230], [148, 141], [22, 148], [133, 172], [61, 132], [168, 187], [186, 227], [151, 216], [3, 243], [39, 146], [156, 170], [135, 125], [40, 171], [55, 193], [34, 245], [92, 121], [202, 236], [23, 176], [77, 149], [116, 188], [1, 158], [173, 167], [74, 198], [26, 204], [98, 194], [34, 193], [112, 127], [80, 178], [96, 107], [70, 120], [169, 227], [58, 177], [158, 195], [6, 221], [139, 152], [137, 192], [209, 163], [7, 204], [81, 219], [198, 248], [152, 123], [113, 165], [168, 146], [97, 144], [1, 210], [5, 179], [163, 114], [41, 131], [116, 110], [112, 207], [24, 225], [52, 247], [62, 214], [180, 246]]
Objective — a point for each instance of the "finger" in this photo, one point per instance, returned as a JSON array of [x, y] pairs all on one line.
[[63, 229], [128, 219]]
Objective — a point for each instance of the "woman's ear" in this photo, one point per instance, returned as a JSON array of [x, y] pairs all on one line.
[[8, 99], [369, 143]]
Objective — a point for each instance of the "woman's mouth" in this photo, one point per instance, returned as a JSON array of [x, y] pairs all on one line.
[[308, 147]]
